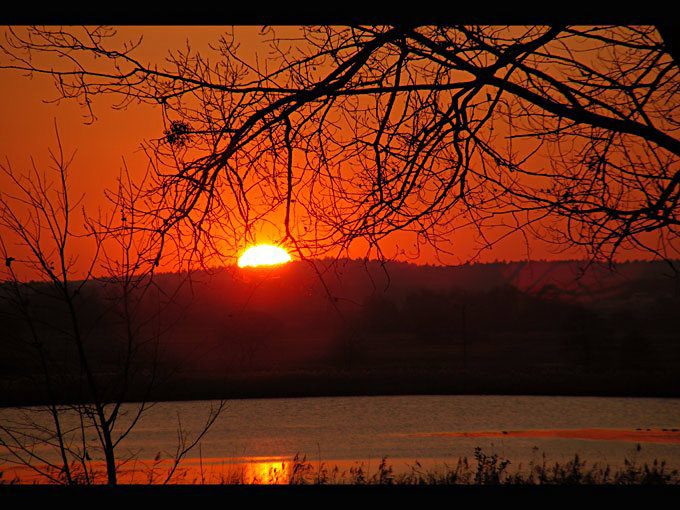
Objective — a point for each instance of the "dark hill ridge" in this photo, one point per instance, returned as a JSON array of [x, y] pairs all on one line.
[[522, 327]]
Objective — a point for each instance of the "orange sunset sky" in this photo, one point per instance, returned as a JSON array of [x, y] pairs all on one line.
[[28, 130]]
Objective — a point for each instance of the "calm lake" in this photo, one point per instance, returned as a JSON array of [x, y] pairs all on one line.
[[262, 435]]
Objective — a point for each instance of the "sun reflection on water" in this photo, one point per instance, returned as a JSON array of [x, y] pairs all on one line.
[[262, 471], [272, 472]]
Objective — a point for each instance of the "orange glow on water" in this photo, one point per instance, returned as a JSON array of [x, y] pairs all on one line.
[[259, 471], [638, 435], [263, 255]]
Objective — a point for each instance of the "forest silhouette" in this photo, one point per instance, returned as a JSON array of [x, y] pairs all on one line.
[[389, 328]]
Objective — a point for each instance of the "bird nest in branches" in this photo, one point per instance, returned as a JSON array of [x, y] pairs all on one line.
[[178, 133]]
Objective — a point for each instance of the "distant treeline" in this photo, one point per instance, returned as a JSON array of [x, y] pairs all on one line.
[[500, 318]]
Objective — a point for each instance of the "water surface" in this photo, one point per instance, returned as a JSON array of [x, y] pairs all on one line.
[[265, 434]]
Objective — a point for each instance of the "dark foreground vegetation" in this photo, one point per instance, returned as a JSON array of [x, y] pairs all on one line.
[[483, 469], [368, 329], [490, 470]]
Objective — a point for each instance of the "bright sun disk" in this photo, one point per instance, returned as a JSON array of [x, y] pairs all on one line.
[[263, 255]]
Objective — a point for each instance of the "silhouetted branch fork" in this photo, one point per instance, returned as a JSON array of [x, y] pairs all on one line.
[[401, 128]]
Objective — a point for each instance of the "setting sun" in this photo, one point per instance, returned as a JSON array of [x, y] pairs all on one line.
[[263, 255]]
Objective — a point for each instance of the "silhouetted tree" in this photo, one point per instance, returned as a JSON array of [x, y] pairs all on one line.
[[357, 132], [70, 315]]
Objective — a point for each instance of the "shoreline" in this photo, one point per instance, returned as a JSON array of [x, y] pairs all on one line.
[[478, 469], [356, 383]]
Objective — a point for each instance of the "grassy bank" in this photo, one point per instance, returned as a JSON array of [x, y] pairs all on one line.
[[482, 469], [492, 470]]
